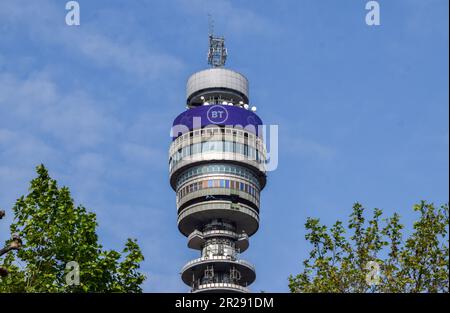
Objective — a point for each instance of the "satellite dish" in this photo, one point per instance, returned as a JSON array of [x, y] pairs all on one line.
[[253, 109], [224, 103], [246, 106], [206, 103], [202, 98]]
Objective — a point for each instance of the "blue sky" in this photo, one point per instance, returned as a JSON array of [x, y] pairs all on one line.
[[362, 113]]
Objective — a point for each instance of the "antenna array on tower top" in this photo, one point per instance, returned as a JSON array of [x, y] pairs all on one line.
[[217, 53]]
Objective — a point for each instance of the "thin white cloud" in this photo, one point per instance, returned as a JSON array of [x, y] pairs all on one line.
[[43, 22], [298, 146], [39, 105], [90, 162], [230, 17], [17, 146], [142, 154], [293, 143], [132, 57]]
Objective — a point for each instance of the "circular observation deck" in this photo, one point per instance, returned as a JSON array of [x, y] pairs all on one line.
[[197, 239], [195, 216], [216, 82], [195, 268]]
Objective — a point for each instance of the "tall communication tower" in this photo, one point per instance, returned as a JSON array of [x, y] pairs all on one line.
[[217, 169]]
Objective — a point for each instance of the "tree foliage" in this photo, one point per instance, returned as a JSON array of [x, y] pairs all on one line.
[[370, 255], [55, 232]]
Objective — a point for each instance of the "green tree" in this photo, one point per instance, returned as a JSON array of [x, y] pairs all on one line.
[[55, 232], [371, 255]]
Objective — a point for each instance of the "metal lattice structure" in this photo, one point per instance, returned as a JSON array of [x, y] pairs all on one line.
[[217, 53]]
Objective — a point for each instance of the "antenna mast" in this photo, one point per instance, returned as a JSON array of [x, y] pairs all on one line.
[[210, 25], [217, 53]]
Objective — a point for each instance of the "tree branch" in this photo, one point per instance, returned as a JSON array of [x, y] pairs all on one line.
[[15, 244], [3, 272]]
